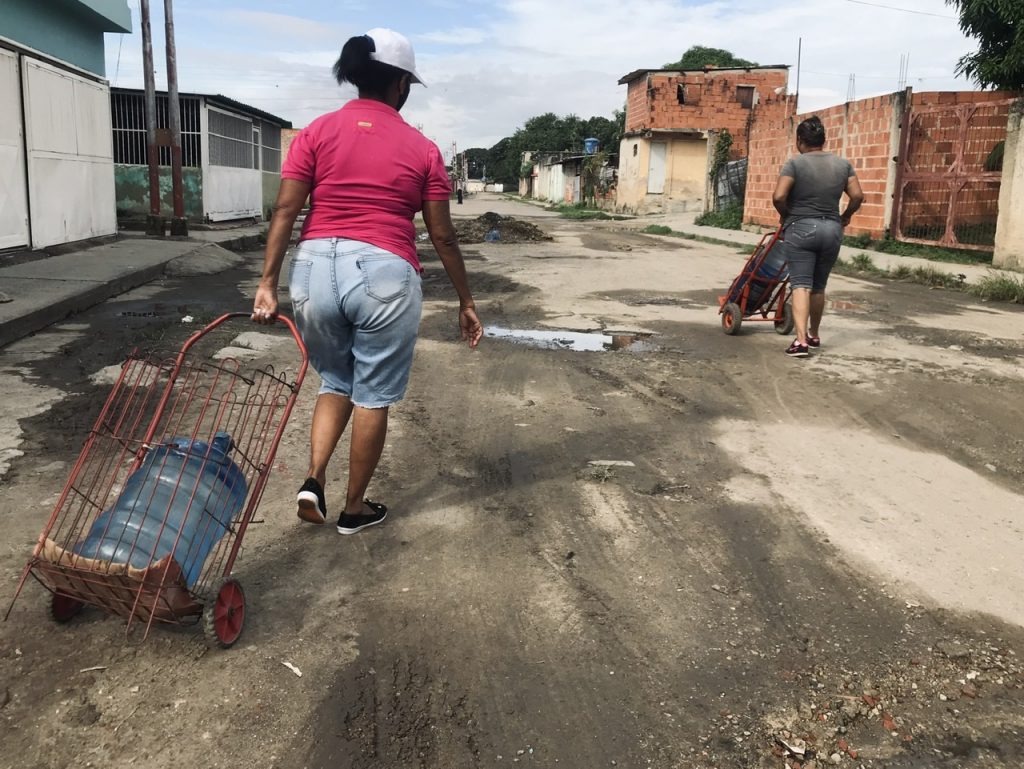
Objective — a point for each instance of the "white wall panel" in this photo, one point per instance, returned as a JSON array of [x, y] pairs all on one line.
[[70, 157], [13, 189], [232, 193]]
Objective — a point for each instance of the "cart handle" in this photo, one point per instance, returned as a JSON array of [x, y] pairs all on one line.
[[190, 342]]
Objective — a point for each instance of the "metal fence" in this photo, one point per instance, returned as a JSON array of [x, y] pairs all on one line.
[[731, 184], [128, 121], [947, 191], [271, 148], [231, 140]]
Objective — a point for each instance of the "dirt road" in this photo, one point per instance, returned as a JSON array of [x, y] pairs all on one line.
[[778, 559]]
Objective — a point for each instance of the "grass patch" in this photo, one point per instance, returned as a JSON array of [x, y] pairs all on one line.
[[729, 218], [999, 288], [932, 253], [661, 229], [581, 213]]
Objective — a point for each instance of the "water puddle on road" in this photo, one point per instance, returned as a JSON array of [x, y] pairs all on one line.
[[575, 341]]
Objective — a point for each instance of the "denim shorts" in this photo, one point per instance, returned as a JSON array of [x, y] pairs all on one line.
[[812, 247], [358, 308]]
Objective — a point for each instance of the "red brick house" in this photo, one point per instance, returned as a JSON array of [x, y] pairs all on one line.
[[673, 119]]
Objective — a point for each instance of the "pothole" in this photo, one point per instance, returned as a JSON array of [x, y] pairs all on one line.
[[575, 341]]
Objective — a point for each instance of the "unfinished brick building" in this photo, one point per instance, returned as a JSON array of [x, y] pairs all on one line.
[[673, 118], [925, 161]]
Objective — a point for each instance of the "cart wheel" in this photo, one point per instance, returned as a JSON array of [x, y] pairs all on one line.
[[732, 318], [64, 608], [224, 615], [784, 325]]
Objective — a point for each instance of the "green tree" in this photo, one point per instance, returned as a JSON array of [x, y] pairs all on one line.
[[998, 26], [476, 162], [700, 56]]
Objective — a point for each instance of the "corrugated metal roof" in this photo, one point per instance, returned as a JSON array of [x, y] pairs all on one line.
[[641, 72]]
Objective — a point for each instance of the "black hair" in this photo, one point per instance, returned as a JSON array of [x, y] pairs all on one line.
[[811, 132], [356, 67]]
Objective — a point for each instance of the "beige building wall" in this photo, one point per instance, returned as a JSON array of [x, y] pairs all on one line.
[[1009, 251], [686, 170]]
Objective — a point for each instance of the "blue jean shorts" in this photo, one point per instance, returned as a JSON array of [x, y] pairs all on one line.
[[358, 309], [812, 247]]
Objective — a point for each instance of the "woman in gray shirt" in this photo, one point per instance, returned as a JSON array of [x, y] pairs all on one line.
[[807, 197]]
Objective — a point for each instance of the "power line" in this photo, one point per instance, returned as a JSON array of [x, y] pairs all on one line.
[[903, 10]]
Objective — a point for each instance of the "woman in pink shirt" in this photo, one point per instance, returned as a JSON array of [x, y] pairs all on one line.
[[355, 276]]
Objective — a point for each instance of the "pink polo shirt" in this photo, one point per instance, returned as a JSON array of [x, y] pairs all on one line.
[[370, 172]]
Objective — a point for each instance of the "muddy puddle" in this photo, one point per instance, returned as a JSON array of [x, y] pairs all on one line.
[[576, 341]]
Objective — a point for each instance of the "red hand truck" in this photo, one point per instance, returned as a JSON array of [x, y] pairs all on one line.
[[761, 291]]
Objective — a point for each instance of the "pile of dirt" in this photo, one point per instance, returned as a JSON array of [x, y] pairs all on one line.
[[508, 230]]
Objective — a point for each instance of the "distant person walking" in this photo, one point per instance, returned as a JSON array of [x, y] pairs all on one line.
[[807, 197], [355, 276]]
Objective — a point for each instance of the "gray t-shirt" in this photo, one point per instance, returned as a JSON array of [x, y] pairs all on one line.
[[819, 181]]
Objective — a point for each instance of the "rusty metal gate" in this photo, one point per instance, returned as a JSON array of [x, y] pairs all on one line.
[[947, 182]]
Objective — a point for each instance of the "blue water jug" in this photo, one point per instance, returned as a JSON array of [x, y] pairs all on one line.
[[773, 268], [185, 486]]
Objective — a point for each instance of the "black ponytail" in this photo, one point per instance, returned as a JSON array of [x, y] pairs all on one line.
[[355, 66], [811, 132]]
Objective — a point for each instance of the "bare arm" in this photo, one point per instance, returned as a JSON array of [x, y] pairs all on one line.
[[780, 198], [290, 200], [437, 216], [856, 196]]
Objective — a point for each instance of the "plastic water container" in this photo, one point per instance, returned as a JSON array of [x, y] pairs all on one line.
[[773, 268], [590, 146], [185, 486]]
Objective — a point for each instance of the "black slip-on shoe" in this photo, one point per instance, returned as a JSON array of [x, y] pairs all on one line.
[[350, 524], [312, 505]]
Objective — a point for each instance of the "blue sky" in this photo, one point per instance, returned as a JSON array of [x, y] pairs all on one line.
[[490, 66]]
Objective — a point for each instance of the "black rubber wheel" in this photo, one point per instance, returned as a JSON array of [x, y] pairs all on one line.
[[784, 326], [64, 608], [224, 615], [732, 318]]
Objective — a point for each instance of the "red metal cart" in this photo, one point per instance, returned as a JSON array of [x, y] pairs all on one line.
[[761, 291], [153, 515]]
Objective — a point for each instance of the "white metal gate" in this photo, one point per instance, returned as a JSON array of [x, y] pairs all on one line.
[[13, 189], [70, 158]]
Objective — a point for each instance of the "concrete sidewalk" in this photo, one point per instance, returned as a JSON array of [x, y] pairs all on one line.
[[743, 239], [49, 289]]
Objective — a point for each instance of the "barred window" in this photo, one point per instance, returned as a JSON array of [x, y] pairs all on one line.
[[230, 140], [128, 121]]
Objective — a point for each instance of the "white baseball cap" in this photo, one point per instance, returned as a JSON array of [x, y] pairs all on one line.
[[394, 49]]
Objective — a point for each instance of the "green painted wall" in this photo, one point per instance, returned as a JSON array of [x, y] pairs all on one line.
[[70, 30], [131, 185], [271, 184]]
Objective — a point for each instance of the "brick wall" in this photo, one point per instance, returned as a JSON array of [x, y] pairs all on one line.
[[711, 101], [865, 132]]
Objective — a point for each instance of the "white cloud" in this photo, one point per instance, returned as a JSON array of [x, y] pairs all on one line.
[[457, 36], [527, 57]]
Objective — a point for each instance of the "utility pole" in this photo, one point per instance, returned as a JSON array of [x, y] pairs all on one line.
[[178, 224], [154, 222]]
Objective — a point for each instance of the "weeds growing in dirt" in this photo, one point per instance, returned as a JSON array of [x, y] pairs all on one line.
[[658, 229], [999, 288], [932, 253], [863, 262], [729, 218]]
